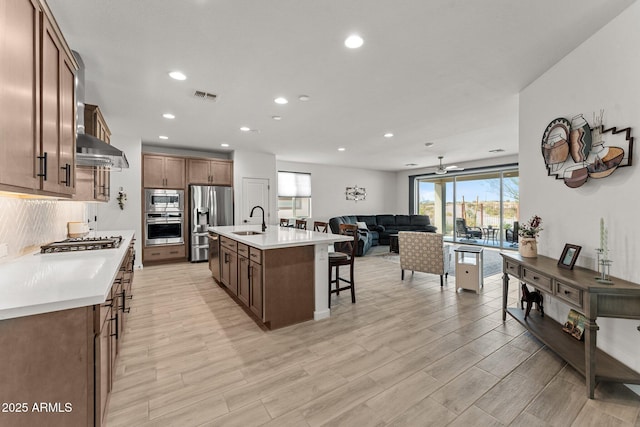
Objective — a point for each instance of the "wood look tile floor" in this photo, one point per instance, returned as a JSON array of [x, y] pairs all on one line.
[[408, 353]]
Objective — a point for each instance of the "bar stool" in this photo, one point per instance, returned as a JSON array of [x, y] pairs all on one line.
[[345, 255], [301, 224], [322, 227], [284, 222]]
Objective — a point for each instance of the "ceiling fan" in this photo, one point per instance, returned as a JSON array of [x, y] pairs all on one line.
[[444, 169]]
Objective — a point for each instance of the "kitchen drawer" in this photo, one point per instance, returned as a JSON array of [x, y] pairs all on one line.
[[569, 294], [243, 250], [229, 243], [160, 253], [536, 279], [255, 255], [513, 268]]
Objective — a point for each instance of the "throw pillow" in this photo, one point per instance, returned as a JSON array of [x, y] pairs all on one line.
[[362, 225]]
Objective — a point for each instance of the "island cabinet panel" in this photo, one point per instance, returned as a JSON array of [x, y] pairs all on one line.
[[255, 289], [288, 285], [229, 268]]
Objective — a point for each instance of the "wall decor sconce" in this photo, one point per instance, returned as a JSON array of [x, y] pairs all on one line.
[[355, 193], [122, 198]]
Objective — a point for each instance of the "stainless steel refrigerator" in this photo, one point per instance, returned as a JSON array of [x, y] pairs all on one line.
[[208, 206]]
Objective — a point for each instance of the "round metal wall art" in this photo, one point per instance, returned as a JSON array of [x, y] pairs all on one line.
[[573, 151]]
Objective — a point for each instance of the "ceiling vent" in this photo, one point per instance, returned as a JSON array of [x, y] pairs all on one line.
[[205, 96]]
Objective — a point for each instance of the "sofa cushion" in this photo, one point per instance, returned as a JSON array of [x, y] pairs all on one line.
[[403, 220], [420, 220], [370, 220], [386, 220]]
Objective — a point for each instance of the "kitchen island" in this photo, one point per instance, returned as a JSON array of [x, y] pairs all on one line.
[[281, 274]]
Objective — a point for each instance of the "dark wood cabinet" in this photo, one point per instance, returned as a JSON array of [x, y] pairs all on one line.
[[37, 102], [163, 171], [93, 183], [210, 172], [255, 288]]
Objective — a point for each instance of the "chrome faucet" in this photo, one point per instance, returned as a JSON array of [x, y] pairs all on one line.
[[264, 226]]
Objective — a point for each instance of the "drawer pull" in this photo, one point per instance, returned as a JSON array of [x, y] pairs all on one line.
[[536, 278], [155, 253], [567, 292]]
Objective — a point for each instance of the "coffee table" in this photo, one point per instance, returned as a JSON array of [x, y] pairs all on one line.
[[393, 243]]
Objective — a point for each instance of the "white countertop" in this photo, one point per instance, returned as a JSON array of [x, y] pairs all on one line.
[[277, 237], [41, 283]]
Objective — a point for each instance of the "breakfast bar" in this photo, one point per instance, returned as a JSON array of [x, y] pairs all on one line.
[[280, 274]]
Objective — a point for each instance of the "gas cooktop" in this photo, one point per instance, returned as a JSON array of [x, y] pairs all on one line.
[[82, 244]]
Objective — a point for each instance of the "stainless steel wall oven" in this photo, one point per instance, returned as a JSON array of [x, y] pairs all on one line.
[[164, 217]]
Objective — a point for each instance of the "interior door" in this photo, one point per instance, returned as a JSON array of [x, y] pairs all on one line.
[[255, 192]]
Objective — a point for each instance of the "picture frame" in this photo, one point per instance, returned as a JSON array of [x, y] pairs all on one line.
[[569, 256]]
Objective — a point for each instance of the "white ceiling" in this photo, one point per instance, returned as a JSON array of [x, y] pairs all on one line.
[[442, 71]]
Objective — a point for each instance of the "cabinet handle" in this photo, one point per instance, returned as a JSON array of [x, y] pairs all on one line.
[[173, 252], [67, 175], [116, 334], [535, 278], [155, 253], [43, 166], [567, 292]]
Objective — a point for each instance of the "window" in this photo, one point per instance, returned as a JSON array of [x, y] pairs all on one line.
[[294, 194], [487, 199]]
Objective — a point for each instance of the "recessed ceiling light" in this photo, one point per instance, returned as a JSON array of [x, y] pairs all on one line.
[[497, 150], [276, 117], [429, 144], [177, 75], [168, 116], [341, 149], [411, 164], [388, 135], [354, 41], [281, 100], [224, 144], [245, 129], [163, 137], [304, 98]]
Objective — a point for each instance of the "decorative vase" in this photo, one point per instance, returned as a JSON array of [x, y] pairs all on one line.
[[528, 247]]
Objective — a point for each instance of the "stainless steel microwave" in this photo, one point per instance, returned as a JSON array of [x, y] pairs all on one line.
[[158, 200]]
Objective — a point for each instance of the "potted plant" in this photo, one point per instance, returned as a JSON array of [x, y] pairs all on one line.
[[528, 233]]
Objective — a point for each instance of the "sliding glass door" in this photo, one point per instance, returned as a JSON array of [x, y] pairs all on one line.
[[474, 208]]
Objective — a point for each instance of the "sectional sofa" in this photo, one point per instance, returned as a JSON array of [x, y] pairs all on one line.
[[380, 227]]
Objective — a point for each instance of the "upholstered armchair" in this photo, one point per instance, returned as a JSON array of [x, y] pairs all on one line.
[[424, 252]]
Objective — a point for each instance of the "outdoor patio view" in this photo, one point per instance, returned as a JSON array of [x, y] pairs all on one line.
[[475, 208]]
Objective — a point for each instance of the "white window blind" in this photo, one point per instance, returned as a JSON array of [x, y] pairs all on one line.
[[294, 184]]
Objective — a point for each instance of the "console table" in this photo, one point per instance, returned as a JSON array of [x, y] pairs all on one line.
[[579, 289]]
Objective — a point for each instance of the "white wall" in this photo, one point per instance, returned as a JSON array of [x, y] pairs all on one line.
[[602, 73], [110, 216], [328, 184], [247, 164]]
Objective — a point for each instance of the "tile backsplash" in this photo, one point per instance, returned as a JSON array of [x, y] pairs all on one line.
[[25, 224]]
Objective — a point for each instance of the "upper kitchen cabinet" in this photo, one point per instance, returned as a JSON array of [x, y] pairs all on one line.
[[93, 183], [210, 172], [163, 171], [37, 102]]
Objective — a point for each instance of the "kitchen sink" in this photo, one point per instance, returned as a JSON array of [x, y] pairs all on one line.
[[246, 233]]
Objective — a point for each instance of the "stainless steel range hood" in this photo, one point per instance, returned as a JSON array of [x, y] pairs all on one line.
[[90, 151]]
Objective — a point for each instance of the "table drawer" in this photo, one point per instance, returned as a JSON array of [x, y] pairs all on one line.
[[255, 255], [569, 294], [512, 268], [243, 250], [536, 279], [229, 243]]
